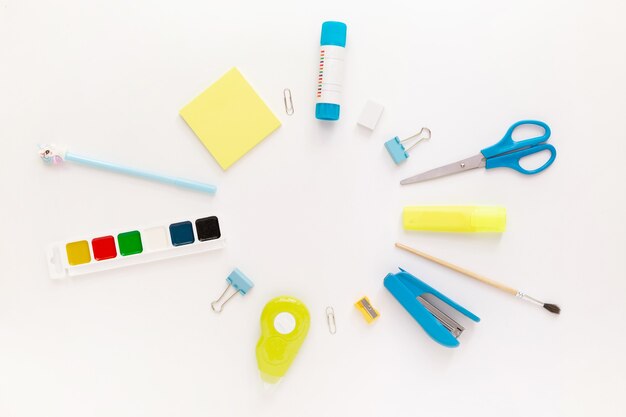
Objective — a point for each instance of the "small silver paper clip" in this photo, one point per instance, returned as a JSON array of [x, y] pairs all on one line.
[[330, 319], [288, 101]]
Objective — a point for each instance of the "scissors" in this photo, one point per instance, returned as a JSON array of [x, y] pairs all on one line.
[[506, 153]]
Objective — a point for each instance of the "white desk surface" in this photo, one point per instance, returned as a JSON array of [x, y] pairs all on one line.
[[314, 210]]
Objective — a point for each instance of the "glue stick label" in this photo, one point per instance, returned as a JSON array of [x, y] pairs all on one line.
[[329, 82]]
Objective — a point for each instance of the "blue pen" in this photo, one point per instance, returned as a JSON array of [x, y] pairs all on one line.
[[55, 155]]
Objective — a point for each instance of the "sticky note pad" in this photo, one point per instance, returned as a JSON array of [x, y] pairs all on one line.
[[229, 118]]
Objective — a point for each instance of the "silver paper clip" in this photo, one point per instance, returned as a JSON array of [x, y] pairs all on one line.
[[288, 101], [330, 319]]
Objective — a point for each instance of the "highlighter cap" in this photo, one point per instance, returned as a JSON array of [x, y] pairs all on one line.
[[464, 219]]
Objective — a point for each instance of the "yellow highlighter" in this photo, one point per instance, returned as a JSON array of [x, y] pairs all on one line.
[[468, 219], [284, 326]]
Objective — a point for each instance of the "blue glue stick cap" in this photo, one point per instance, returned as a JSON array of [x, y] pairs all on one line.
[[334, 33], [327, 111]]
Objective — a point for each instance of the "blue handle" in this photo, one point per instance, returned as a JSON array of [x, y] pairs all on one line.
[[511, 160], [507, 144]]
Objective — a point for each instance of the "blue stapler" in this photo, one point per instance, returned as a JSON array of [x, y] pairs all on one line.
[[409, 291]]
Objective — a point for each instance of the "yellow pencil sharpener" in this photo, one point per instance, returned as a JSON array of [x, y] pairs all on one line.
[[284, 325], [455, 218], [366, 308]]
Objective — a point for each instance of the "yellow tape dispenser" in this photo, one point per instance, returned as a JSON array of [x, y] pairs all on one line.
[[284, 325]]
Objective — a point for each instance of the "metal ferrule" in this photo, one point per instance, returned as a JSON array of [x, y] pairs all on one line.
[[529, 298]]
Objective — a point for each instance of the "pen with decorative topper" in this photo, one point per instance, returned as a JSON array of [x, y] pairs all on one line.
[[55, 155]]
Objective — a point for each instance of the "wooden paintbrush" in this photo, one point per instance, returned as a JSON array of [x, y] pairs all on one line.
[[552, 308]]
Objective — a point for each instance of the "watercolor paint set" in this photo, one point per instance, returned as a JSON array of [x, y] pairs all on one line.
[[131, 246]]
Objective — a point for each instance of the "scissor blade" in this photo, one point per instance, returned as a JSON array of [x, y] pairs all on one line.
[[476, 161]]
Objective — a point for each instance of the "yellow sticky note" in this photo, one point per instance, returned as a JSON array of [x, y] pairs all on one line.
[[229, 118]]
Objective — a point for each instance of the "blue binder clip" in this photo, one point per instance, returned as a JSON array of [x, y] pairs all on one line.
[[397, 150], [240, 282], [409, 291]]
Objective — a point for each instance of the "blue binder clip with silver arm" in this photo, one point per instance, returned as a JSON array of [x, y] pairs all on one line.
[[396, 148], [409, 291], [240, 283]]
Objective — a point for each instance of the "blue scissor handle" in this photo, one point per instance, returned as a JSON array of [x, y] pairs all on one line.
[[507, 144], [511, 160]]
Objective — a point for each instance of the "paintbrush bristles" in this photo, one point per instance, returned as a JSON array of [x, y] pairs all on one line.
[[552, 308]]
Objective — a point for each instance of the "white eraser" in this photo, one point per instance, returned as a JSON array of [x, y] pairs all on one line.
[[370, 114]]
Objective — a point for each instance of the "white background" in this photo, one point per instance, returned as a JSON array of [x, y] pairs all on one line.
[[314, 210]]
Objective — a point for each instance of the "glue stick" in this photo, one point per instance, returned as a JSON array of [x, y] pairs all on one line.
[[330, 77]]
